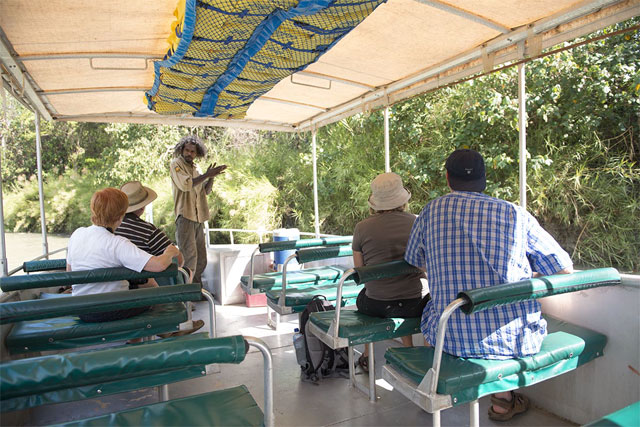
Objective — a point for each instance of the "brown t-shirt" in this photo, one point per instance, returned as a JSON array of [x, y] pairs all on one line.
[[381, 238]]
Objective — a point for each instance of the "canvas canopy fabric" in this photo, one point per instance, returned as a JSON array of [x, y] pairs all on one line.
[[94, 61]]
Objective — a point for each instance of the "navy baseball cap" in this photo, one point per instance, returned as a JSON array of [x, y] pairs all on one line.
[[466, 171]]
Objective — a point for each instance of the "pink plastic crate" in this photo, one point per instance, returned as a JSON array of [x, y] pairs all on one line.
[[255, 300]]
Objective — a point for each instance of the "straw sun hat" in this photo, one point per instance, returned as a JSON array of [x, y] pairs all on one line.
[[139, 195], [387, 192]]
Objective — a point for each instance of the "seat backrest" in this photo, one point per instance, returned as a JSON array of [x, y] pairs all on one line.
[[508, 293], [383, 271], [322, 252], [11, 312], [304, 243], [65, 278], [58, 373]]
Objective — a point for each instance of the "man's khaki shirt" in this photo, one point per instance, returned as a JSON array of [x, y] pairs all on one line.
[[189, 201]]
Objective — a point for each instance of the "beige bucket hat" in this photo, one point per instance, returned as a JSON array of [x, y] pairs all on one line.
[[387, 192], [139, 195]]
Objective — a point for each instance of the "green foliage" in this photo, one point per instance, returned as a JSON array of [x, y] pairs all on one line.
[[66, 204]]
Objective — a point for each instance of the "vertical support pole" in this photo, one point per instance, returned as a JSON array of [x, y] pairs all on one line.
[[3, 245], [352, 373], [372, 373], [474, 413], [43, 221], [387, 164], [315, 182], [163, 392], [436, 419], [522, 130], [148, 213]]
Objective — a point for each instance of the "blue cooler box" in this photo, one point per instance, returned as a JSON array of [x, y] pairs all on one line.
[[279, 257]]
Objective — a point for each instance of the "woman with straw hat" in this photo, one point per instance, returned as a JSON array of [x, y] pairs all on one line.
[[383, 237]]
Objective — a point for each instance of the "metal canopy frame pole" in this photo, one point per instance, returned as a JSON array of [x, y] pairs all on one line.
[[522, 130], [387, 167], [315, 182], [3, 245], [43, 221]]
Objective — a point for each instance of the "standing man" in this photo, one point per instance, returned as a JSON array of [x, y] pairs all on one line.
[[190, 188], [467, 240]]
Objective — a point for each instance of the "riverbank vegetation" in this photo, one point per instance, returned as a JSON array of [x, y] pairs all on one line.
[[582, 138]]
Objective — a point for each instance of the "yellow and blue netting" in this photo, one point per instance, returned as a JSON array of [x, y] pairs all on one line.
[[224, 54]]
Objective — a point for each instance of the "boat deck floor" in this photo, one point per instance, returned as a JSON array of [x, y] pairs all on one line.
[[296, 403]]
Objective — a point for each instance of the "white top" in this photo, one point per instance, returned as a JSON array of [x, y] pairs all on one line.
[[95, 247]]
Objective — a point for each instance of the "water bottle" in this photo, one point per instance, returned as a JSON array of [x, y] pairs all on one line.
[[299, 345]]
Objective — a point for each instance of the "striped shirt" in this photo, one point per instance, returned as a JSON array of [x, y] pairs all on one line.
[[144, 235], [468, 240]]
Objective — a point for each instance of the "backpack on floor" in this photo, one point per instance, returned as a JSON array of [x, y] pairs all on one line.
[[320, 360]]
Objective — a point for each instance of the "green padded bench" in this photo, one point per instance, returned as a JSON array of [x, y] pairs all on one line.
[[308, 276], [296, 299], [355, 328], [626, 417], [293, 300], [53, 324], [230, 407], [83, 375], [436, 381], [46, 280], [247, 282], [61, 265]]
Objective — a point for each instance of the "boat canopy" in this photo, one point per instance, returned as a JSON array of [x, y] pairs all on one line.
[[286, 65]]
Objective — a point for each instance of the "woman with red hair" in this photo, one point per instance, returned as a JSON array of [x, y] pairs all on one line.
[[97, 247]]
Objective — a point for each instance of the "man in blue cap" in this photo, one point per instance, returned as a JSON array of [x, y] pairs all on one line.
[[466, 240]]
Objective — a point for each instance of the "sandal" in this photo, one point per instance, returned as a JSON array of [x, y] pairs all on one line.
[[517, 405], [363, 361], [197, 324]]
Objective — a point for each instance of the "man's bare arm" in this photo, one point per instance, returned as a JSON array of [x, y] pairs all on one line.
[[161, 262]]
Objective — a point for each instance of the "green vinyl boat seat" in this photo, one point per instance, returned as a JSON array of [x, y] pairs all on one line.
[[346, 328], [89, 374], [294, 301], [307, 276], [357, 328], [44, 265], [565, 347], [231, 407], [53, 323], [247, 281], [436, 381], [628, 416]]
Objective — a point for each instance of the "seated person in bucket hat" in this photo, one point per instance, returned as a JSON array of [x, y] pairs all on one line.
[[465, 240], [144, 235], [382, 237], [147, 236]]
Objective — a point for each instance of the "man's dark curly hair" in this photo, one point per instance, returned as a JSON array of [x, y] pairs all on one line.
[[201, 150]]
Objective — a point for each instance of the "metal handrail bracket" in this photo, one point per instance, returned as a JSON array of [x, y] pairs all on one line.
[[269, 416]]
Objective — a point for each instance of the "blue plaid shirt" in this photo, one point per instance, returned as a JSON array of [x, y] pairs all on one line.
[[468, 240]]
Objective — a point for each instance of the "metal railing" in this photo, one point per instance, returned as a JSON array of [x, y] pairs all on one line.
[[38, 258], [261, 233]]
